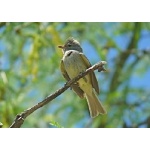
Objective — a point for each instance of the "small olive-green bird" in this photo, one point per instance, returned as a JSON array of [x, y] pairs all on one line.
[[72, 64]]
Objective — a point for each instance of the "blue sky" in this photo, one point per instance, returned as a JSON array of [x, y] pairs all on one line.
[[122, 41]]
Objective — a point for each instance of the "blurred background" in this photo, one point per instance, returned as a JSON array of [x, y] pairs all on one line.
[[29, 71]]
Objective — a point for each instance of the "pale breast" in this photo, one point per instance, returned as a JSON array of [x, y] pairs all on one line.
[[73, 63]]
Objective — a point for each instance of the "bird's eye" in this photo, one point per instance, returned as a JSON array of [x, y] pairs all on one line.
[[69, 45]]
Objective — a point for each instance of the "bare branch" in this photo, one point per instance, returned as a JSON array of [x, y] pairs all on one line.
[[19, 120], [123, 56]]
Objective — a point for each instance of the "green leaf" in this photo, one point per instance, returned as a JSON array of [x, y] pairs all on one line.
[[55, 124]]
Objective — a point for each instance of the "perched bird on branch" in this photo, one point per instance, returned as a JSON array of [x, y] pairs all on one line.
[[72, 64]]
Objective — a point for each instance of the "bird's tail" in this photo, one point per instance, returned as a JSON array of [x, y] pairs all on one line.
[[95, 106]]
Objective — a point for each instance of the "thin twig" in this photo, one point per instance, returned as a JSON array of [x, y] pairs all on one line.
[[19, 120]]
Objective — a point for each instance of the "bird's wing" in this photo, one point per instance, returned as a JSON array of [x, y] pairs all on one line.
[[64, 73], [75, 87], [92, 74]]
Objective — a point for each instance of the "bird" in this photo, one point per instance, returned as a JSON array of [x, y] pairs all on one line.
[[72, 64]]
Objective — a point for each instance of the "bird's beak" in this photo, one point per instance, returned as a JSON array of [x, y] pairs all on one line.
[[61, 46]]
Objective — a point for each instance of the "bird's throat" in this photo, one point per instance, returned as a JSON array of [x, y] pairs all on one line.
[[69, 53]]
